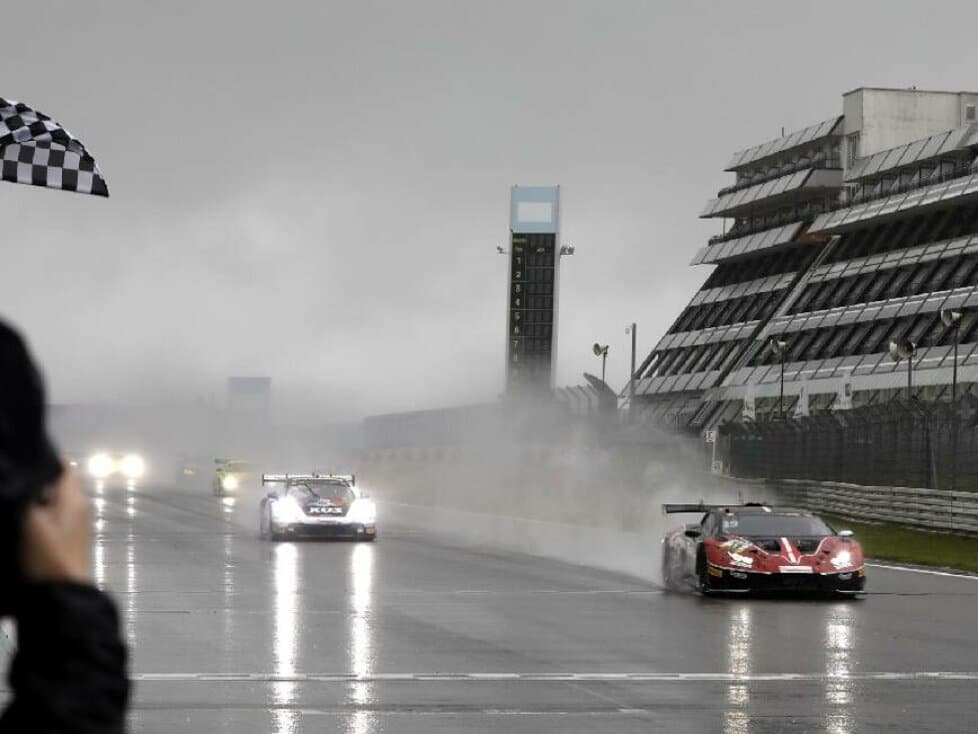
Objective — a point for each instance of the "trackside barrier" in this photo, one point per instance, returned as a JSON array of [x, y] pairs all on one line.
[[928, 509]]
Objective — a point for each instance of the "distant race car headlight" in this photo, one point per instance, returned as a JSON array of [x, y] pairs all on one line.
[[133, 466], [738, 559], [842, 559], [100, 466], [286, 510], [362, 511], [230, 483]]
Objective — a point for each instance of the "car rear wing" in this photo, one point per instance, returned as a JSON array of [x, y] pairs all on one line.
[[307, 478], [673, 509]]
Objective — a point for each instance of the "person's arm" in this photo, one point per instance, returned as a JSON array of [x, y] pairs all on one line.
[[69, 672]]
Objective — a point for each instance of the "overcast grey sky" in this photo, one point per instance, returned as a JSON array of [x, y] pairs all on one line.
[[314, 190]]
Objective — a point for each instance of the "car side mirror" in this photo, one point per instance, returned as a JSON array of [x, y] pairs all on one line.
[[844, 533], [693, 532]]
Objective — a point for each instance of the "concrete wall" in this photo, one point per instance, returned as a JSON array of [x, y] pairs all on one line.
[[886, 118]]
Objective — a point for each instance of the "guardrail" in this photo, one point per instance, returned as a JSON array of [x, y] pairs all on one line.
[[929, 509]]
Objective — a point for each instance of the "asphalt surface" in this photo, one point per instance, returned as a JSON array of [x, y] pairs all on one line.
[[407, 634]]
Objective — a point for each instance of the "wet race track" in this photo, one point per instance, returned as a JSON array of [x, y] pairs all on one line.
[[233, 634]]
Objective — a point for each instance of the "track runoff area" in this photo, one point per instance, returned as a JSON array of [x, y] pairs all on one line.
[[416, 634]]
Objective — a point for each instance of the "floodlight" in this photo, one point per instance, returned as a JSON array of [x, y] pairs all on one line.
[[950, 317], [902, 349]]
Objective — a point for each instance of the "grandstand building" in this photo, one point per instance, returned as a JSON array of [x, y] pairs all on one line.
[[838, 240]]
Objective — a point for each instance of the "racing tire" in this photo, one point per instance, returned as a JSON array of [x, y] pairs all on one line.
[[265, 529], [702, 572], [668, 579]]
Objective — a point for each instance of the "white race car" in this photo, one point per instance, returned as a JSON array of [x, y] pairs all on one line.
[[316, 505]]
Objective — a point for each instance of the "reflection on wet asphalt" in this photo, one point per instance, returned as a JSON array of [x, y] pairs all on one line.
[[234, 634]]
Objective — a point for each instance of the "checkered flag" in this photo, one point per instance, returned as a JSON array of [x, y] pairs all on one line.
[[36, 150]]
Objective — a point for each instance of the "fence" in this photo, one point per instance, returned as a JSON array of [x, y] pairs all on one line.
[[901, 443]]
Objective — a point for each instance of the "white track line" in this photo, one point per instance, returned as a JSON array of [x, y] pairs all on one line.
[[928, 571], [416, 713], [630, 677]]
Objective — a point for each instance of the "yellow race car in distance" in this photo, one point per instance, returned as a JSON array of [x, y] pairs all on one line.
[[231, 475]]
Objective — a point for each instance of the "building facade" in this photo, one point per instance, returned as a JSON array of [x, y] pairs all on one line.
[[842, 243]]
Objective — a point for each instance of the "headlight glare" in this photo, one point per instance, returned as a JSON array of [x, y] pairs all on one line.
[[363, 511], [100, 466], [230, 482], [842, 559], [133, 466], [286, 510], [738, 559]]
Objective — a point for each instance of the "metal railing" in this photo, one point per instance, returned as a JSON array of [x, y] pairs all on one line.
[[797, 213], [802, 165], [928, 509], [865, 192]]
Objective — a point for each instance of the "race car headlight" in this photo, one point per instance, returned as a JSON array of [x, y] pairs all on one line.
[[739, 559], [100, 466], [842, 559], [133, 466], [286, 510], [230, 483], [363, 511]]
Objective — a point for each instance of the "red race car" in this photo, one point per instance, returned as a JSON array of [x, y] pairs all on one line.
[[756, 547]]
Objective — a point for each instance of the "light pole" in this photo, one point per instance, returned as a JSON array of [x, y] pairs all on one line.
[[905, 349], [952, 320], [633, 330], [778, 349], [601, 351]]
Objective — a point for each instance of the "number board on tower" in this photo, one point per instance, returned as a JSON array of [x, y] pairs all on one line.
[[531, 309]]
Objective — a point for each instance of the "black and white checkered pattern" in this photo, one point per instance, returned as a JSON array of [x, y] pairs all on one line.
[[36, 150]]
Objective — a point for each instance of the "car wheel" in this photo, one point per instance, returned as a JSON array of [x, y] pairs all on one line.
[[668, 577], [702, 572], [265, 525]]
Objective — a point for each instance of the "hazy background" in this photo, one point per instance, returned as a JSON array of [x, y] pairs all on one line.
[[314, 190]]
